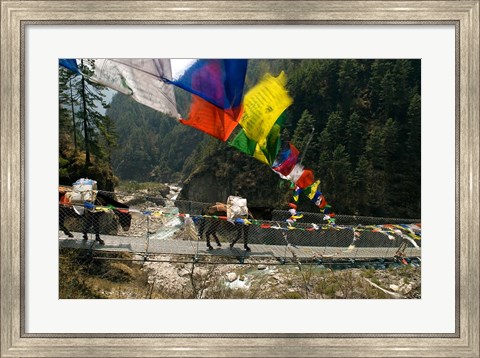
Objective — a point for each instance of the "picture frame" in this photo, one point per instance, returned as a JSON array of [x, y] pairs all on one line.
[[15, 342]]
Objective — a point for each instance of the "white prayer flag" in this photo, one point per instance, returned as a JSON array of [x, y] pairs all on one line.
[[142, 79], [296, 173]]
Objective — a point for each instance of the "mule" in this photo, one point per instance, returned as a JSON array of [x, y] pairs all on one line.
[[92, 219], [209, 226]]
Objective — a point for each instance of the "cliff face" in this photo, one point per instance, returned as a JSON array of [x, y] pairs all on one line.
[[236, 175], [206, 188]]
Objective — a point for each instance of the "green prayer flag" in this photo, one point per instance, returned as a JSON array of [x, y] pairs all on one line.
[[265, 151], [243, 143]]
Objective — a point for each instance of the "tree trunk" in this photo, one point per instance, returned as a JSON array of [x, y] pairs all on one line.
[[85, 124], [73, 118]]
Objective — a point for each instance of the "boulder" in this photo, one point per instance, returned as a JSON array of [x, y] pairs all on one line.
[[231, 276]]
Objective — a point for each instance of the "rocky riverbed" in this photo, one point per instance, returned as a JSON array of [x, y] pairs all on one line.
[[271, 280], [150, 198]]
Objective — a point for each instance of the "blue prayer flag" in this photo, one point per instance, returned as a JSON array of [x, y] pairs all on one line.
[[217, 81], [70, 64]]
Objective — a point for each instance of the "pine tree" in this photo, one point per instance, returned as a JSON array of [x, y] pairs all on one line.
[[91, 97], [67, 102], [376, 178], [340, 179], [354, 137], [83, 101], [349, 83], [412, 158], [360, 187], [303, 132]]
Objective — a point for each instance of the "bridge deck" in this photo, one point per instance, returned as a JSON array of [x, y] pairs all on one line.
[[189, 247]]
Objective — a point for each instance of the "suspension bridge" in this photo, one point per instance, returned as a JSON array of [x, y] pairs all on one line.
[[193, 248], [174, 230]]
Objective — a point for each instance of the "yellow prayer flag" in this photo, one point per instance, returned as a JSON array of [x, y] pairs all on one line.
[[263, 104], [313, 189], [259, 154]]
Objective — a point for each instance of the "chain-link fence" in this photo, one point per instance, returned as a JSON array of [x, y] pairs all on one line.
[[154, 225]]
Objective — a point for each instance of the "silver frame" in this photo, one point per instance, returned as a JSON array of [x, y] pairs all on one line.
[[16, 15]]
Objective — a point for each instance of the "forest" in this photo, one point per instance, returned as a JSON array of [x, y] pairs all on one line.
[[356, 123]]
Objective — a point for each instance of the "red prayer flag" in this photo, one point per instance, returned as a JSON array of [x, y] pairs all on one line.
[[306, 179], [291, 158]]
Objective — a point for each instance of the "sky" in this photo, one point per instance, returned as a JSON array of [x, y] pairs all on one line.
[[179, 65]]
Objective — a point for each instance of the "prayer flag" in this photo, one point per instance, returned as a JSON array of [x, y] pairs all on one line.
[[296, 173], [315, 196], [285, 166], [258, 154], [142, 79], [210, 119], [263, 104], [217, 81], [267, 149], [70, 64], [305, 180], [243, 143], [311, 190], [271, 146], [321, 202], [296, 193]]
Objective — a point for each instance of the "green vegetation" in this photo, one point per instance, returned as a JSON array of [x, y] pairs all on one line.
[[81, 276], [86, 136], [153, 146], [132, 186]]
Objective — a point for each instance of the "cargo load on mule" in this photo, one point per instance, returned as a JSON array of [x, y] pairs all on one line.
[[85, 209]]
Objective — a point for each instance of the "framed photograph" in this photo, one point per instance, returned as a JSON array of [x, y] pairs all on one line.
[[440, 38]]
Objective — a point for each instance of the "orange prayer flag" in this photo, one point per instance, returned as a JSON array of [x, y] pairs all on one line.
[[211, 119]]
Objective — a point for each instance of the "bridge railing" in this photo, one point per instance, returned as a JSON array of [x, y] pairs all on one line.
[[153, 218]]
